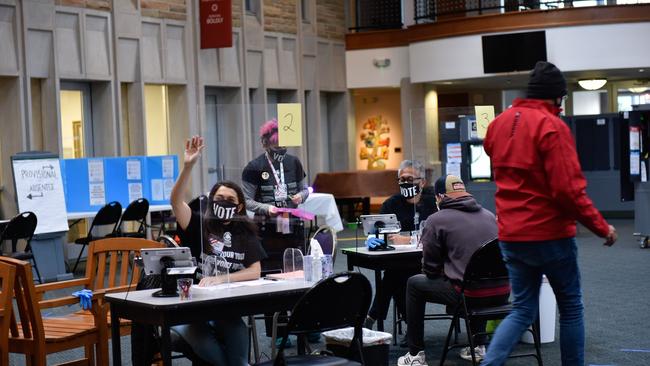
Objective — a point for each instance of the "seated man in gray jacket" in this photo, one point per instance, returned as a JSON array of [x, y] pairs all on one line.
[[449, 239]]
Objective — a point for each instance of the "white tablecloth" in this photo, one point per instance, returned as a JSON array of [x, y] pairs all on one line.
[[324, 205]]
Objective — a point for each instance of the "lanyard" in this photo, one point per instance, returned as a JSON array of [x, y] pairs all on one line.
[[279, 180]]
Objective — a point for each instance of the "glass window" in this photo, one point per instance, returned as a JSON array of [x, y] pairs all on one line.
[[157, 119], [76, 134]]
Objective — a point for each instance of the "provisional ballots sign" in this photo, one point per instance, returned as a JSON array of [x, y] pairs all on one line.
[[39, 188]]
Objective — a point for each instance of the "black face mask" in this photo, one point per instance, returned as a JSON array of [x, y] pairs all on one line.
[[224, 210], [277, 153], [409, 190]]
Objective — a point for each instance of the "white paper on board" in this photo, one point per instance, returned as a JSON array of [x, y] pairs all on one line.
[[634, 139], [453, 169], [450, 125], [168, 168], [95, 171], [39, 189], [97, 194], [635, 160], [135, 191], [454, 153], [644, 173], [157, 189], [133, 170], [168, 184]]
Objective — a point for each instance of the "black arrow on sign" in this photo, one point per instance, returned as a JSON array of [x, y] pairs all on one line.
[[48, 166], [30, 196]]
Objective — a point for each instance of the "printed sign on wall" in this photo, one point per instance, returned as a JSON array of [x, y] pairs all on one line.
[[216, 23]]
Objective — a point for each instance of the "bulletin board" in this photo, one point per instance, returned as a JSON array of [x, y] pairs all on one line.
[[91, 183]]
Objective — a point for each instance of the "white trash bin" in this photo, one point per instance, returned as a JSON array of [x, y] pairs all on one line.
[[547, 314]]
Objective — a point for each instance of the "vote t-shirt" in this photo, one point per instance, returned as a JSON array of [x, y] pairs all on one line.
[[239, 247]]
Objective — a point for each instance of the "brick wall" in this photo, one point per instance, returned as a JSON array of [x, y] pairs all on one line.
[[236, 13], [280, 16], [168, 9], [90, 4], [330, 19]]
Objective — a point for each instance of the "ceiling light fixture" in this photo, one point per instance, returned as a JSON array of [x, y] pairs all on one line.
[[638, 90], [592, 84]]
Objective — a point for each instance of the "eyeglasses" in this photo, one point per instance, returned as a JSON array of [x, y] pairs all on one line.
[[401, 180]]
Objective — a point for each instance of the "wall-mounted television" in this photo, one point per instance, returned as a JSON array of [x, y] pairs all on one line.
[[513, 51], [480, 167]]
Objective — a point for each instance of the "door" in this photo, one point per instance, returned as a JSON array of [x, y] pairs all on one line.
[[76, 123], [215, 172]]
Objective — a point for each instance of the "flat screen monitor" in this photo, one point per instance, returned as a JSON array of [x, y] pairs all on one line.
[[179, 257], [513, 51], [480, 167]]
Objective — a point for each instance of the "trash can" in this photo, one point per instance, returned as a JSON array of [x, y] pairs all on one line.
[[547, 313], [375, 344]]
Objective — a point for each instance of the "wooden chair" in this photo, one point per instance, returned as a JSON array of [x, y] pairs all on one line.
[[7, 274], [36, 336], [115, 257]]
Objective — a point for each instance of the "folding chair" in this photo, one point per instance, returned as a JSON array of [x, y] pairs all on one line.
[[484, 295], [335, 302], [108, 215], [137, 212], [22, 226]]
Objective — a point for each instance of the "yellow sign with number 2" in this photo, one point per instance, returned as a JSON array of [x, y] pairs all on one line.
[[484, 116], [289, 124]]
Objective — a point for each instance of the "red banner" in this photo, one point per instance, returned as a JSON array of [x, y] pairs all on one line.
[[216, 23]]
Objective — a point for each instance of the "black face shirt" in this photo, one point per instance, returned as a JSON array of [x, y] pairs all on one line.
[[239, 248]]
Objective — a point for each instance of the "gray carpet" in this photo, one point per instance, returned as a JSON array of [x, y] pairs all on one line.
[[617, 309]]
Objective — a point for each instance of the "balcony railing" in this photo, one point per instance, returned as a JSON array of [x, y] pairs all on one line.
[[427, 11]]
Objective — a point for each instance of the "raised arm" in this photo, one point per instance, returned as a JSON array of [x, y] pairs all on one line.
[[182, 211]]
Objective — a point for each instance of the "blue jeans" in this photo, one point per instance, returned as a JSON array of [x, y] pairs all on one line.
[[526, 262], [218, 342]]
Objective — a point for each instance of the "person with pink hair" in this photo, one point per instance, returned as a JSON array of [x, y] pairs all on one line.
[[275, 180]]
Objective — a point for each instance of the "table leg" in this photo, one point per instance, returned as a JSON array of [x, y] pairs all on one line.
[[165, 345], [366, 205], [378, 290], [115, 338], [300, 347]]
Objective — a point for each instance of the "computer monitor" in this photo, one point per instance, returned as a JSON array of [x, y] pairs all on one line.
[[380, 224], [480, 167], [177, 258]]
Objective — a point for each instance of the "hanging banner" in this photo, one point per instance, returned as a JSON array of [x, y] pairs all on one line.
[[216, 23]]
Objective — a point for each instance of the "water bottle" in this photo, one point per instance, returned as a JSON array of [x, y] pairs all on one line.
[[317, 267]]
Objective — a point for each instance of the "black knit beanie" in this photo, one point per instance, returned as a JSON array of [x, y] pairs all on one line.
[[546, 82]]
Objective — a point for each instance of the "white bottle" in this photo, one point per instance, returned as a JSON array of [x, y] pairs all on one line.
[[317, 269]]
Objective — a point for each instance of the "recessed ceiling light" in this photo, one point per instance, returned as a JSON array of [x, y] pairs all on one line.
[[641, 70]]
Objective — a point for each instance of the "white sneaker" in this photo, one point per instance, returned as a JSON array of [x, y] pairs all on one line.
[[479, 353], [408, 360]]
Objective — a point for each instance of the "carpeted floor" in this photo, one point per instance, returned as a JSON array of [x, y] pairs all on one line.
[[617, 309]]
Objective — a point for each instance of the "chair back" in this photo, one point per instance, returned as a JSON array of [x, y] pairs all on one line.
[[21, 226], [7, 277], [339, 301], [108, 215], [135, 211], [486, 281], [326, 237], [28, 311], [118, 255]]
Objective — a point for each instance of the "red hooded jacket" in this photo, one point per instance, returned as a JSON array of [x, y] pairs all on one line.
[[541, 191]]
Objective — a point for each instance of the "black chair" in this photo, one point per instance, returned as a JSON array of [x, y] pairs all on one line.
[[486, 273], [335, 302], [21, 226], [108, 215], [136, 211]]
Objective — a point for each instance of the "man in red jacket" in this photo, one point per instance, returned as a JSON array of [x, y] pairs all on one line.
[[540, 195]]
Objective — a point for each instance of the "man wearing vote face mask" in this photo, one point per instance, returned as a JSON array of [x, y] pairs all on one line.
[[411, 207], [221, 228]]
